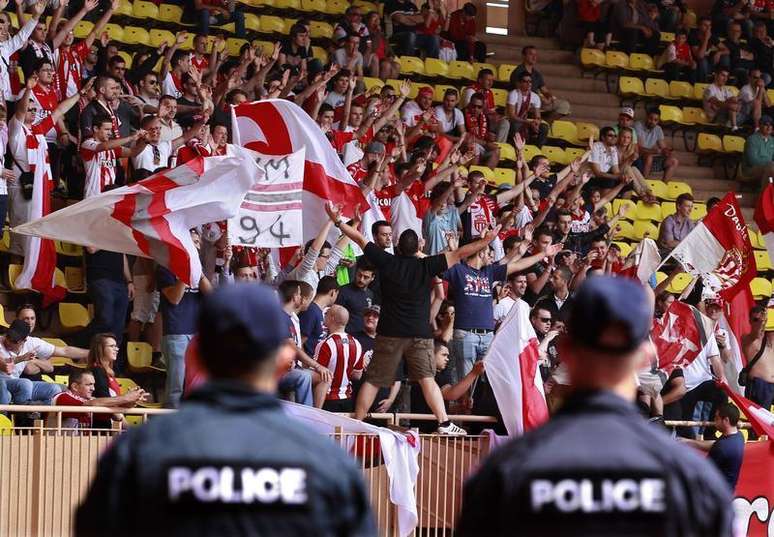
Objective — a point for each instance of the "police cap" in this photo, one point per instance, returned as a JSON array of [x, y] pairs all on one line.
[[603, 301]]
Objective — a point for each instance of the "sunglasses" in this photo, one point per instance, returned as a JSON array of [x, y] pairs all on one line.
[[545, 319]]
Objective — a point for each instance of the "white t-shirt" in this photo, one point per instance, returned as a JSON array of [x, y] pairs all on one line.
[[100, 168], [146, 160], [516, 99], [44, 351], [700, 369], [502, 308], [721, 94], [447, 124], [170, 132], [604, 156], [170, 87], [410, 112]]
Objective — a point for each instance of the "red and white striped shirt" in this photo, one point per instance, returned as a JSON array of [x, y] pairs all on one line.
[[68, 68], [46, 101], [100, 168], [342, 354]]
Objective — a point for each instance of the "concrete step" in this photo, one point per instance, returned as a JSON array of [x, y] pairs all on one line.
[[604, 115], [512, 55], [516, 42], [576, 83], [587, 97]]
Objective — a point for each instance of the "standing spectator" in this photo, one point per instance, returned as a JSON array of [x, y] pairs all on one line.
[[706, 49], [523, 111], [655, 154], [590, 17], [110, 287], [676, 227], [170, 129], [297, 47], [450, 117], [480, 138], [462, 32], [559, 301], [550, 103], [759, 343], [633, 27], [107, 91], [17, 348], [214, 12], [727, 12], [720, 105], [512, 291], [100, 154], [311, 319], [10, 45], [727, 452], [356, 297], [483, 85], [176, 63], [442, 219], [342, 354], [153, 154], [758, 157]]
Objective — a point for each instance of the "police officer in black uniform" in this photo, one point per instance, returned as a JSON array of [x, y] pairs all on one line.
[[230, 462], [597, 468]]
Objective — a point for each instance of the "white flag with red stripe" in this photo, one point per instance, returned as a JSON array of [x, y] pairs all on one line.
[[512, 371], [642, 262], [764, 217], [153, 218], [761, 419], [276, 128]]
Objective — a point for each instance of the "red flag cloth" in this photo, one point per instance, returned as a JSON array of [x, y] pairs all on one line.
[[761, 419], [764, 211], [754, 495], [739, 316], [677, 337]]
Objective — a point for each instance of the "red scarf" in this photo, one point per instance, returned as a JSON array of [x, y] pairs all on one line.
[[488, 96], [477, 125]]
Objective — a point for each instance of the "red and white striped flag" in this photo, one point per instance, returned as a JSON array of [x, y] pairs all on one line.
[[276, 127], [761, 419], [38, 272], [764, 217], [719, 250], [512, 371], [153, 218], [642, 262]]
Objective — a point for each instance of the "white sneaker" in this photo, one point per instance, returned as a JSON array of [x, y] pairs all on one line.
[[452, 430]]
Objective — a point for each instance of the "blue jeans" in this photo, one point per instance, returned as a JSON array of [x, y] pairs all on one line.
[[468, 348], [298, 381], [22, 391], [237, 17], [174, 347], [111, 302]]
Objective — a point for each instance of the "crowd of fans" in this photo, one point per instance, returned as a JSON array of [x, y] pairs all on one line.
[[479, 248]]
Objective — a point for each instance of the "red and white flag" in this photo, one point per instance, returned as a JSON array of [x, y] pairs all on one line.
[[276, 127], [764, 217], [681, 336], [642, 262], [38, 272], [761, 419], [719, 250], [153, 218], [512, 371]]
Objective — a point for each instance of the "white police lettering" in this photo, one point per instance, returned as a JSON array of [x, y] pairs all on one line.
[[255, 485], [605, 496]]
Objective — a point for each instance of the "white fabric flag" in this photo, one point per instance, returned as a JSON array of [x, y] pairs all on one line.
[[403, 216]]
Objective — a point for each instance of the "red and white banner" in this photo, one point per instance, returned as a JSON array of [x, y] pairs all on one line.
[[271, 213], [764, 217], [512, 371], [277, 128], [642, 262], [754, 495], [719, 251], [153, 218], [761, 419]]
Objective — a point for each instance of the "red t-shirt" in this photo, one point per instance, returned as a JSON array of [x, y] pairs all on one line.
[[461, 29], [339, 139], [683, 52], [69, 398], [201, 64], [588, 11]]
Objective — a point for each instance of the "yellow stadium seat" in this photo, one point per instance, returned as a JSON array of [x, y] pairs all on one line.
[[733, 90], [395, 83], [366, 6], [564, 130], [675, 188], [660, 277], [125, 8], [698, 90], [3, 321], [73, 316], [170, 13], [253, 22], [6, 425], [586, 131], [319, 53], [530, 151], [320, 30], [695, 116], [641, 62], [68, 249], [625, 248], [313, 6], [479, 66], [115, 32], [458, 69], [755, 239], [233, 45], [679, 283], [667, 37], [144, 10], [573, 153], [709, 143], [733, 144], [187, 44], [656, 87], [127, 58], [436, 67], [439, 90], [670, 115], [763, 260], [74, 280], [83, 29], [504, 72], [507, 152], [265, 47], [554, 154], [629, 86], [139, 355], [699, 211], [59, 278], [294, 5], [668, 208], [623, 230], [648, 212], [657, 187], [591, 57], [411, 65], [336, 7], [761, 288], [770, 319], [500, 97], [13, 273], [644, 229], [157, 37], [504, 176], [680, 90], [617, 202], [272, 25], [487, 172], [372, 82], [616, 59], [134, 35]]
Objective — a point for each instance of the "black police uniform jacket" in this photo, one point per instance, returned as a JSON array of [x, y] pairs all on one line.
[[597, 468], [229, 463]]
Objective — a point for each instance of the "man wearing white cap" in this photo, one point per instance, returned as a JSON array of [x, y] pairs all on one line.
[[626, 119]]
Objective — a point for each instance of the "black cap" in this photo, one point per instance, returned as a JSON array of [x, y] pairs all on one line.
[[603, 301], [252, 308], [765, 120], [18, 331]]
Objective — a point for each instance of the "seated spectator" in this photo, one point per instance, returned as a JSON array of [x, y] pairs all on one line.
[[707, 49], [720, 105], [296, 48], [726, 12], [378, 58], [216, 13], [462, 32], [406, 19], [676, 227], [741, 55], [349, 58], [351, 24], [625, 120], [550, 105], [450, 117], [479, 138], [342, 354], [758, 157], [633, 27], [603, 161], [17, 348], [753, 100], [669, 14], [483, 85], [677, 59], [763, 50], [311, 319], [655, 155], [523, 112]]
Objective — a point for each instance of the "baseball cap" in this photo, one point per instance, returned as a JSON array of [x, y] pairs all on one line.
[[766, 120], [425, 91], [627, 111], [603, 301], [251, 308], [373, 308], [375, 147], [18, 331]]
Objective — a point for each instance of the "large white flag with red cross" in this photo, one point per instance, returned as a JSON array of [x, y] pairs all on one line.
[[153, 218]]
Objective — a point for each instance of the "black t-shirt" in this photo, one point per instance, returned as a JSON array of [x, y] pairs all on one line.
[[537, 78], [104, 265], [735, 51], [356, 300], [180, 318], [405, 289], [727, 453], [695, 41], [764, 55], [187, 119], [544, 186], [420, 406], [392, 6]]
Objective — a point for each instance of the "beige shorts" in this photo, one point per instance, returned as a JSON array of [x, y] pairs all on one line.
[[388, 352]]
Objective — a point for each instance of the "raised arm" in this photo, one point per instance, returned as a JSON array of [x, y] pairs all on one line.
[[334, 213], [523, 263], [23, 35], [463, 252], [59, 38], [101, 23], [60, 111]]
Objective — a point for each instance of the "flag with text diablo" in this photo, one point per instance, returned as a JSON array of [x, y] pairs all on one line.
[[719, 250], [277, 128], [270, 215], [153, 218]]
